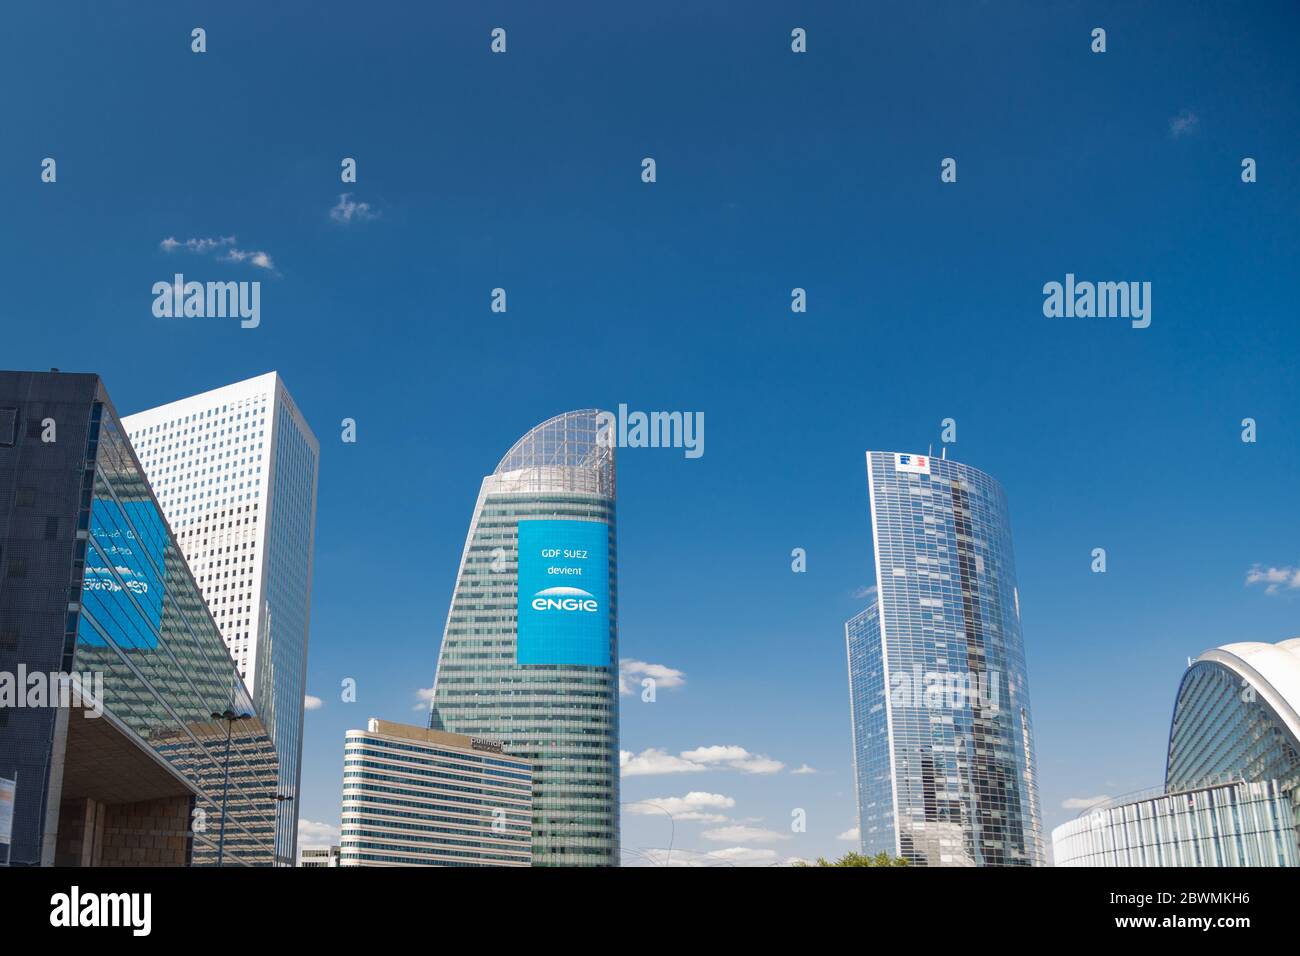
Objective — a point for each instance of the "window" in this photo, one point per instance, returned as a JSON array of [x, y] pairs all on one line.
[[8, 427]]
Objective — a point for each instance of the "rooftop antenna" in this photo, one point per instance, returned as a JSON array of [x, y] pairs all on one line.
[[944, 453], [930, 453]]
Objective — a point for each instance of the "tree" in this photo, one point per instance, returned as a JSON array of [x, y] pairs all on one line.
[[860, 859]]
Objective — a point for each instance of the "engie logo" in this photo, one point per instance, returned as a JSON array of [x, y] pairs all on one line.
[[564, 599]]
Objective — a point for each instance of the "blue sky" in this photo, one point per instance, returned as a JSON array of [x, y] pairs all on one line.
[[775, 170]]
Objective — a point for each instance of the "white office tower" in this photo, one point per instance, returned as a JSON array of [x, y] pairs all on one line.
[[235, 470]]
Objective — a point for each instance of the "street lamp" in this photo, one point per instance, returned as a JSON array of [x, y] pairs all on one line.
[[229, 716], [279, 799]]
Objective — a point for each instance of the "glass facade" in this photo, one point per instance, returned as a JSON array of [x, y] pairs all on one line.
[[1231, 824], [285, 620], [416, 797], [1232, 777], [132, 621], [871, 766], [943, 740], [561, 716], [1233, 717], [144, 626]]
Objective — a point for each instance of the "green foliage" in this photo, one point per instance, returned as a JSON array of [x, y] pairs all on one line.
[[859, 859]]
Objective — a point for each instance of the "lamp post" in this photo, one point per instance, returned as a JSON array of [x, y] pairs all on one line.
[[229, 716], [279, 799]]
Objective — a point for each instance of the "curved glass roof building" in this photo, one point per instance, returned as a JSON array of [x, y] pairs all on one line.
[[529, 655], [942, 735], [1232, 775], [1237, 714]]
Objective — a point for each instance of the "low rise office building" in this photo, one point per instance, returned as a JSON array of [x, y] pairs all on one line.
[[319, 856], [419, 797]]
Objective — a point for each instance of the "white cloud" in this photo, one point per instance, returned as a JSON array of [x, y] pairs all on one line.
[[804, 768], [866, 591], [656, 760], [683, 857], [738, 833], [312, 833], [851, 834], [661, 856], [1082, 803], [1182, 124], [424, 698], [696, 805], [737, 758], [744, 856], [346, 209], [259, 259], [312, 702], [664, 677], [1274, 579], [203, 246]]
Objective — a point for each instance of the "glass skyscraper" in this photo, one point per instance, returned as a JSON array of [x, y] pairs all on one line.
[[942, 736], [529, 657], [235, 470]]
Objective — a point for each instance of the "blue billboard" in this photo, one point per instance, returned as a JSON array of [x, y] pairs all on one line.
[[563, 593], [132, 538]]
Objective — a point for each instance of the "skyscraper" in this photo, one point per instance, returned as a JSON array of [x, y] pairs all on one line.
[[121, 758], [942, 736], [529, 656], [235, 471]]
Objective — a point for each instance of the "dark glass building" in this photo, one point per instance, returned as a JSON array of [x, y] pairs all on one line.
[[125, 764]]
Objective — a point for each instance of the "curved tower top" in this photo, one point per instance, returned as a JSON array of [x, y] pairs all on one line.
[[1251, 690], [567, 453], [529, 655]]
